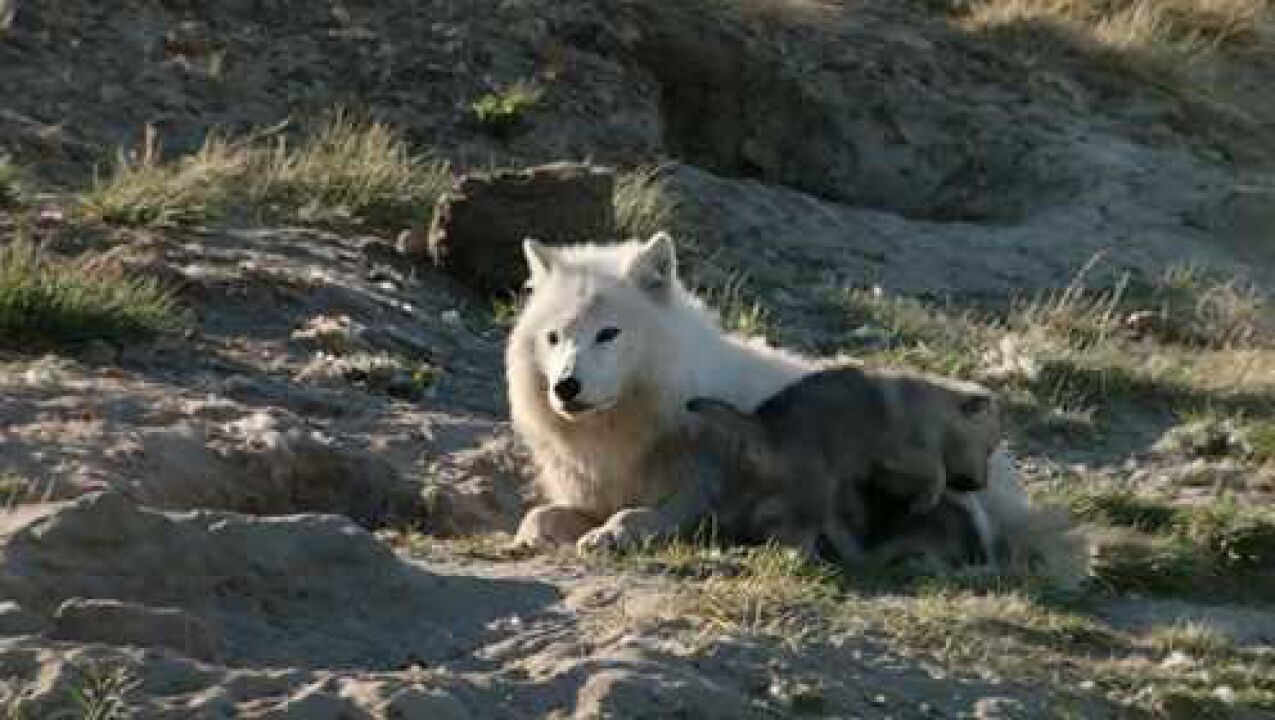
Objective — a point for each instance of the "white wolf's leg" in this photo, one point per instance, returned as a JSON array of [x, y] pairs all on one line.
[[550, 525]]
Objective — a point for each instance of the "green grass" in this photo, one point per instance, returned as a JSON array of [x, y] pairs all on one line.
[[51, 301], [738, 310], [104, 693], [644, 205], [144, 191], [1188, 343], [505, 110], [14, 490], [12, 190], [1261, 440], [1192, 638], [1216, 549], [1016, 631], [347, 171]]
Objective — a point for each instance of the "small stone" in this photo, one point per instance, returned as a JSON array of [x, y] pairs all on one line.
[[1000, 708], [451, 317]]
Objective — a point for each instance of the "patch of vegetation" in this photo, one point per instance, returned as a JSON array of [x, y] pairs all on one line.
[[1219, 548], [1195, 639], [906, 331], [1260, 437], [144, 191], [14, 489], [644, 205], [739, 313], [44, 300], [503, 111], [347, 171], [1181, 47], [1187, 343], [12, 184], [995, 627], [104, 694], [766, 590], [504, 311]]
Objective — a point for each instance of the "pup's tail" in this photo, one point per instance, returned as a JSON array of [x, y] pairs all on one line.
[[1037, 540]]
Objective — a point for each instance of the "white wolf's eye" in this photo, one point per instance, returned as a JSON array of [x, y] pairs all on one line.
[[606, 335], [552, 337]]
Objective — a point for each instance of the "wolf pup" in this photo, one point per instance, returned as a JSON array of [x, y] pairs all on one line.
[[820, 458]]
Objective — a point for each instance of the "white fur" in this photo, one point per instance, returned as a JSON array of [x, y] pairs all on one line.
[[1037, 540], [669, 349]]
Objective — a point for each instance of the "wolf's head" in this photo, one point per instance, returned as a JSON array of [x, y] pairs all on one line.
[[592, 325], [745, 437]]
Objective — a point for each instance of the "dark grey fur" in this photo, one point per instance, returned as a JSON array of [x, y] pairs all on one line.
[[862, 460]]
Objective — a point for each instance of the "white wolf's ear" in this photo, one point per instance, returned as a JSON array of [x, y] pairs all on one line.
[[540, 259], [654, 269]]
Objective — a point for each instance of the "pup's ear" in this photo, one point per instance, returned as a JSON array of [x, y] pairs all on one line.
[[654, 269], [540, 259]]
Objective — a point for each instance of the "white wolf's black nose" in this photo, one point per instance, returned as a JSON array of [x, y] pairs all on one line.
[[566, 389]]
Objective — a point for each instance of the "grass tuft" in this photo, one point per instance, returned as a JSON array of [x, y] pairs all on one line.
[[505, 110], [1195, 639], [346, 171], [12, 184], [643, 204], [144, 191], [1220, 548], [1178, 46], [740, 313], [104, 694], [45, 300]]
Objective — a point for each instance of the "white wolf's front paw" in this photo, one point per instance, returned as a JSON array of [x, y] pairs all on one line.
[[605, 538], [623, 531]]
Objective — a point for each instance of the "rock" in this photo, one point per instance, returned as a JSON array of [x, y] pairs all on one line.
[[412, 703], [16, 621], [299, 590], [478, 227], [124, 623]]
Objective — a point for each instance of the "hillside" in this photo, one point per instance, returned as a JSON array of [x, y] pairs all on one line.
[[255, 460]]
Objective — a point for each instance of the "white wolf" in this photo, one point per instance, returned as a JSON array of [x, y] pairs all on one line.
[[600, 365]]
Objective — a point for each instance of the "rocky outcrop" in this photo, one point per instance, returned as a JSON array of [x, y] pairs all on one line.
[[478, 227]]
